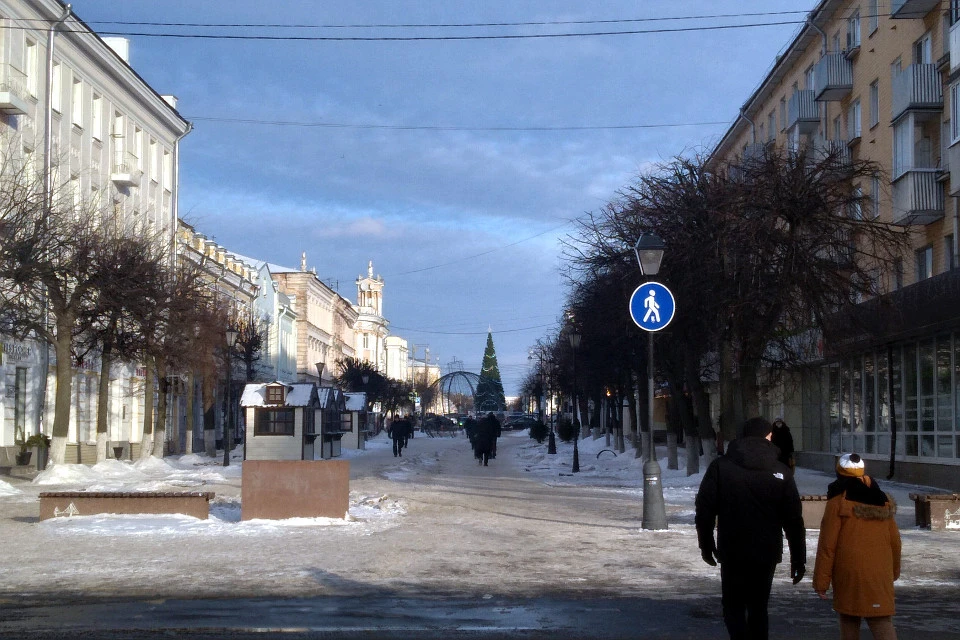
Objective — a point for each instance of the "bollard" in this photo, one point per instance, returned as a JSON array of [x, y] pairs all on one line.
[[654, 511]]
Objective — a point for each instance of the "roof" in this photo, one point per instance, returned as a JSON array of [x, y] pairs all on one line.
[[298, 395], [356, 401]]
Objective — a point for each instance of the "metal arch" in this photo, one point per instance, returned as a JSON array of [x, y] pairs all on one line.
[[444, 386]]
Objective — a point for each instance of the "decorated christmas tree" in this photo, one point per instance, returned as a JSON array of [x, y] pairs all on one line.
[[490, 388]]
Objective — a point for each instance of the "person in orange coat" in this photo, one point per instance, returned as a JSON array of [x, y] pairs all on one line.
[[859, 552]]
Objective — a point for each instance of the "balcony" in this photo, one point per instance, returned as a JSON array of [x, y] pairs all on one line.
[[912, 9], [803, 112], [917, 197], [917, 89], [13, 91], [837, 149], [833, 77], [125, 171]]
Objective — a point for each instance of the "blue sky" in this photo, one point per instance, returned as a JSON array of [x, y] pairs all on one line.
[[401, 156]]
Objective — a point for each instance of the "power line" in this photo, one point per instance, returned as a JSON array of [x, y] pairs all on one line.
[[469, 333], [439, 25], [526, 36], [401, 127]]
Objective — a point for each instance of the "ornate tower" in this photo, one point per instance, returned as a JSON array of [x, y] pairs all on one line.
[[371, 326]]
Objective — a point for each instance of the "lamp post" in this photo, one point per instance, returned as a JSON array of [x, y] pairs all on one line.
[[649, 250], [574, 345], [231, 335], [319, 366], [552, 441]]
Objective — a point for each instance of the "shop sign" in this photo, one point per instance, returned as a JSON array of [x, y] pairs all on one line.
[[16, 352]]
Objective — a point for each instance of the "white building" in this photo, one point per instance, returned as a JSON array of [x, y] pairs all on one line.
[[371, 327], [112, 140], [274, 309], [398, 358]]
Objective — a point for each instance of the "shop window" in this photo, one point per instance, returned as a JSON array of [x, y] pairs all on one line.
[[276, 394]]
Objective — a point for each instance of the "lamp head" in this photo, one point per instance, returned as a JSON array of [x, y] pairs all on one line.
[[231, 335], [649, 250]]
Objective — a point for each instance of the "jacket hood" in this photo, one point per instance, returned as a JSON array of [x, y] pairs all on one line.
[[864, 490], [753, 453]]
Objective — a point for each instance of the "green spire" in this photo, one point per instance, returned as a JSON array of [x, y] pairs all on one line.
[[490, 388]]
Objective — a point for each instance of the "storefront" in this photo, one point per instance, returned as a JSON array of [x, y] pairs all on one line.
[[21, 366]]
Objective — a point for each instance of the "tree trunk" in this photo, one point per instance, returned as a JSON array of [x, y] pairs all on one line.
[[190, 397], [730, 416], [637, 412], [103, 401], [64, 372], [160, 433], [209, 416], [749, 389], [625, 425], [146, 441], [701, 402]]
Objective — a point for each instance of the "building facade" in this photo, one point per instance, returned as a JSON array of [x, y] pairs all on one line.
[[371, 327], [105, 139], [880, 82], [324, 325], [398, 358]]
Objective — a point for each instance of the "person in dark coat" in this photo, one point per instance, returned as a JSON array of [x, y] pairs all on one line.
[[399, 431], [485, 438], [783, 440], [750, 497]]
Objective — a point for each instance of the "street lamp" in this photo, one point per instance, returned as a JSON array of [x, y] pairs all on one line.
[[552, 441], [231, 335], [649, 250], [319, 366], [574, 345]]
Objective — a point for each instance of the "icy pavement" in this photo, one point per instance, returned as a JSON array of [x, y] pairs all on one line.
[[430, 522]]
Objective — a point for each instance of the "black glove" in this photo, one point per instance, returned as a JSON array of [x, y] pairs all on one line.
[[796, 572], [709, 556]]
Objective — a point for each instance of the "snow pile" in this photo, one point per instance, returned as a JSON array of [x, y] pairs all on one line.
[[148, 474], [8, 490]]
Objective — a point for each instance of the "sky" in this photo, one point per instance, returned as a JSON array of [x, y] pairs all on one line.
[[458, 166]]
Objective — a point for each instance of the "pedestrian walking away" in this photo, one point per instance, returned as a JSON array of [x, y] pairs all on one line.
[[399, 431], [783, 440], [485, 438], [859, 552], [751, 499]]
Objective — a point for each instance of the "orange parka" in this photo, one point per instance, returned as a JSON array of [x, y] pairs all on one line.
[[859, 553]]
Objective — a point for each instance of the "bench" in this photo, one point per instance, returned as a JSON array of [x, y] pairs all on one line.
[[813, 508], [937, 511], [58, 504]]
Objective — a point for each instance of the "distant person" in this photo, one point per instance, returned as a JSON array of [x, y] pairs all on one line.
[[485, 438], [858, 552], [752, 499], [783, 440], [399, 432]]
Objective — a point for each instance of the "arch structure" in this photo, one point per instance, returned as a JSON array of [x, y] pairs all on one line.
[[456, 392]]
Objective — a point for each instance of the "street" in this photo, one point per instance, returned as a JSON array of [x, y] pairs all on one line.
[[519, 549]]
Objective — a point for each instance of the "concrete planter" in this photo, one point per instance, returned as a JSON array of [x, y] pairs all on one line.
[[937, 512]]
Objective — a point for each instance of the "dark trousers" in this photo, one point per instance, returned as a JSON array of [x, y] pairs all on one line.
[[745, 591], [398, 446]]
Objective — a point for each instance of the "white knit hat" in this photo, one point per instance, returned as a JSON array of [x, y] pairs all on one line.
[[850, 464]]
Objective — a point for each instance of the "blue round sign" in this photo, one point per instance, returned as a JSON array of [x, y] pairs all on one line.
[[652, 306]]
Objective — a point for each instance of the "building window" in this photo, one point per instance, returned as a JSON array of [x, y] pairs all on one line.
[[875, 197], [96, 118], [56, 92], [783, 114], [853, 120], [954, 113], [954, 12], [275, 395], [902, 147], [853, 30], [856, 204], [897, 274], [771, 125], [924, 263], [874, 103], [923, 50], [874, 17], [30, 67], [948, 254], [273, 422], [76, 103], [809, 77]]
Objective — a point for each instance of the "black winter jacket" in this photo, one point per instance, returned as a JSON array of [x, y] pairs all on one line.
[[751, 497]]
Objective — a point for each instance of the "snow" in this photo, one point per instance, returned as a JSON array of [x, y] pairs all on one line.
[[298, 395], [431, 518]]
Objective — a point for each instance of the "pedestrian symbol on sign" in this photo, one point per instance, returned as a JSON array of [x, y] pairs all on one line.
[[652, 306]]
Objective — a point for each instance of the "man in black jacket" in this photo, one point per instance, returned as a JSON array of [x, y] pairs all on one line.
[[751, 497]]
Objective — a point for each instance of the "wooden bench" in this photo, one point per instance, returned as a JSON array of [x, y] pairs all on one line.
[[58, 504], [937, 511]]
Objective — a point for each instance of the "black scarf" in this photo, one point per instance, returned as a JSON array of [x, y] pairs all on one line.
[[857, 491]]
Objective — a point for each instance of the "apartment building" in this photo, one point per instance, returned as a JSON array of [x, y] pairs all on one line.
[[398, 356], [101, 135], [879, 81]]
